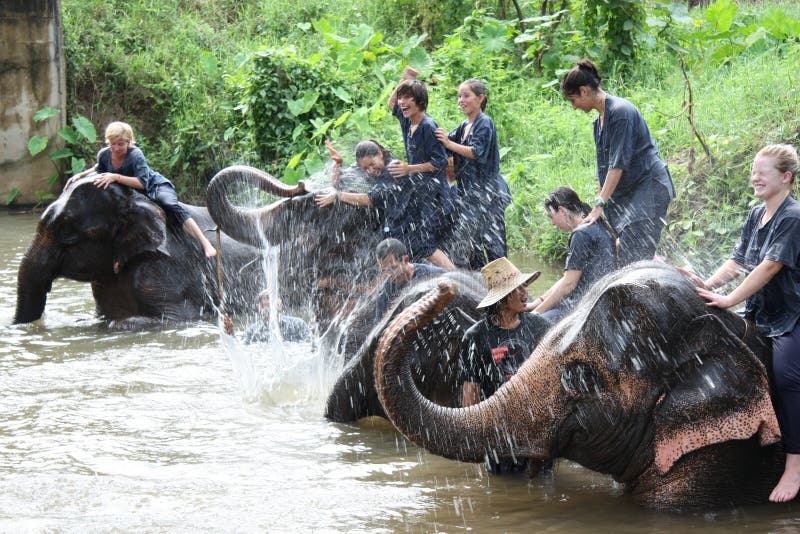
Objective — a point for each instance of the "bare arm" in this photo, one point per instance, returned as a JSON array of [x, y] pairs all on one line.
[[108, 178], [355, 199], [452, 146], [613, 177], [558, 291], [757, 279]]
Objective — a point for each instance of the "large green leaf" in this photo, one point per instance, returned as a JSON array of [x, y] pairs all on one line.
[[721, 14], [69, 134], [494, 37], [61, 154], [303, 104], [36, 144], [85, 127], [45, 113]]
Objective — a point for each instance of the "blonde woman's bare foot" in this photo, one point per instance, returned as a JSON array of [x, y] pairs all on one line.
[[789, 484], [210, 252]]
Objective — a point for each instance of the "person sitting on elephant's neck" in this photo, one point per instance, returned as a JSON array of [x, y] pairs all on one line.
[[386, 194], [292, 329], [769, 251], [124, 163], [495, 347], [592, 253], [397, 272], [367, 170]]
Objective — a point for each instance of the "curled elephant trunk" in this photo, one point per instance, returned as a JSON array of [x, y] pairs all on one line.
[[245, 224], [466, 434], [34, 280]]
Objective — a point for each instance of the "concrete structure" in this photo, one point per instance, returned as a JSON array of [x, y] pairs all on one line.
[[31, 78]]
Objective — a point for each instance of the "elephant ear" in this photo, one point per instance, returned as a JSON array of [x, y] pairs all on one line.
[[142, 228], [719, 393]]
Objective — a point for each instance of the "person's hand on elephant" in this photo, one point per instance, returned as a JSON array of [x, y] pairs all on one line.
[[699, 282], [326, 199], [398, 168], [715, 299], [105, 179], [78, 176]]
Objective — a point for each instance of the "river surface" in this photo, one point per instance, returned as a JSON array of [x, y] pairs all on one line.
[[183, 429]]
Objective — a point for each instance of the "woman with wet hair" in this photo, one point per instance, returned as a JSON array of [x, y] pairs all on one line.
[[431, 200], [591, 255], [635, 187], [483, 193], [385, 194], [769, 252]]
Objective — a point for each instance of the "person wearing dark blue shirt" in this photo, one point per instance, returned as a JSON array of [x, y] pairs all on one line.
[[769, 251], [483, 193], [431, 201], [591, 254], [385, 194], [635, 187], [124, 163], [397, 272]]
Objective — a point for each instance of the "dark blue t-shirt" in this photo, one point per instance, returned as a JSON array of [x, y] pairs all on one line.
[[490, 356], [134, 165], [624, 142], [775, 308], [591, 251], [390, 290], [482, 174], [391, 198]]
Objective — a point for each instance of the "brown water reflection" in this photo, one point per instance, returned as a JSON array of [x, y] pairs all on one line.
[[176, 429]]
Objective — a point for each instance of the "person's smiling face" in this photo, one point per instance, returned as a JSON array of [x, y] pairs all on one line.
[[767, 180], [372, 165], [408, 106], [583, 100], [468, 101]]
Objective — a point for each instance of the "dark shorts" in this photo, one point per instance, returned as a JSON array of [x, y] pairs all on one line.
[[167, 198], [786, 369]]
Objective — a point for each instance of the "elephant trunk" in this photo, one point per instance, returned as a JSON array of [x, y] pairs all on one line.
[[245, 224], [467, 434], [34, 280]]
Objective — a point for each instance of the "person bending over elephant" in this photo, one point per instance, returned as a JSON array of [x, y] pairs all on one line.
[[292, 329], [592, 253], [386, 193], [769, 251], [124, 163], [495, 347], [431, 199], [397, 272], [483, 193], [635, 187]]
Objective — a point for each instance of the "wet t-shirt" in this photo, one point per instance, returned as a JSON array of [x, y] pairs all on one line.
[[624, 142], [134, 165], [775, 308], [490, 356], [591, 251]]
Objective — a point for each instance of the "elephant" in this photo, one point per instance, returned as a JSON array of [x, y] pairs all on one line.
[[643, 382], [161, 274], [329, 254]]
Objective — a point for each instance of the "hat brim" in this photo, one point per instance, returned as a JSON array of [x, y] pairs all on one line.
[[496, 294]]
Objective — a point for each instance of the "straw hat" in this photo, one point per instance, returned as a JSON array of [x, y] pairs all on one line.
[[502, 277]]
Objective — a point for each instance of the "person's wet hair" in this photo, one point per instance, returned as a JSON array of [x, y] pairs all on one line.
[[478, 88], [388, 246], [370, 148], [569, 199], [416, 90], [584, 73]]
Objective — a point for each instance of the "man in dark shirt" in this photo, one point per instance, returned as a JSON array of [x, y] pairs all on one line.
[[397, 272]]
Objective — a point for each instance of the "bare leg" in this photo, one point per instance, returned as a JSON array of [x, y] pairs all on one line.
[[193, 230], [440, 259], [787, 487]]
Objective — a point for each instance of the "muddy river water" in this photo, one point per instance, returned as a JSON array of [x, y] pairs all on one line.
[[181, 428]]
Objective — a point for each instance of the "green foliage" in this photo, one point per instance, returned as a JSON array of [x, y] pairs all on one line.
[[618, 24]]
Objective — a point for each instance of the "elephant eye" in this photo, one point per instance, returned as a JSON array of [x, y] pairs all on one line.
[[581, 379]]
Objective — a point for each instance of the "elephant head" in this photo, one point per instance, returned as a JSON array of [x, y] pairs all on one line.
[[643, 382], [435, 368], [327, 252], [81, 236]]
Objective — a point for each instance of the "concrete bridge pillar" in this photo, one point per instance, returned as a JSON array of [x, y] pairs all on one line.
[[31, 77]]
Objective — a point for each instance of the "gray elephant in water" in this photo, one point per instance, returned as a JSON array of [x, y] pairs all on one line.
[[643, 382], [161, 273]]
